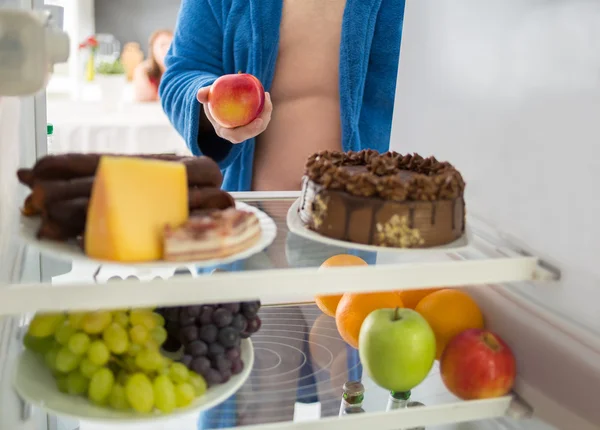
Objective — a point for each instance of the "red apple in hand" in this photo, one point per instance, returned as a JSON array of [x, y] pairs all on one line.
[[236, 100], [477, 364]]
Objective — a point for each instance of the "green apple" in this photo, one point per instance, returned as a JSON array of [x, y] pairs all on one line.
[[396, 348]]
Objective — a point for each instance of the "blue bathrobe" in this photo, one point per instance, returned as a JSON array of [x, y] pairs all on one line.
[[218, 37]]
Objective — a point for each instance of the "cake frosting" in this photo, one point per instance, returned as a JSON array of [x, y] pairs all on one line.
[[388, 199]]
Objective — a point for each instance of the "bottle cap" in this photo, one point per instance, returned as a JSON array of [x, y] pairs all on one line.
[[400, 395], [49, 129], [354, 387]]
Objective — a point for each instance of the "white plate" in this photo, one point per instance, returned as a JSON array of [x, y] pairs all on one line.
[[35, 384], [72, 252], [296, 226]]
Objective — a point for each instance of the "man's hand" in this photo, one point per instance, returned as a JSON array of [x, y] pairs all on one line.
[[238, 134]]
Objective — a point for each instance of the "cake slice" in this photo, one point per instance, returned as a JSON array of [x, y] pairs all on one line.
[[211, 234]]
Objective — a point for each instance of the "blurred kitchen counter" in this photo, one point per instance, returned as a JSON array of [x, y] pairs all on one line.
[[91, 126]]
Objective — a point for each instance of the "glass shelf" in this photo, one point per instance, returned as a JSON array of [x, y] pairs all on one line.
[[301, 365], [284, 272]]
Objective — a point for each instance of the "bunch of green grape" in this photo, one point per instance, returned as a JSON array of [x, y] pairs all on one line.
[[114, 359]]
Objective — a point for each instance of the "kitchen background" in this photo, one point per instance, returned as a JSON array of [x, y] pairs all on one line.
[[114, 17], [96, 112]]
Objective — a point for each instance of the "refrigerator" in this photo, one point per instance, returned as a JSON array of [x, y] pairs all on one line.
[[509, 92]]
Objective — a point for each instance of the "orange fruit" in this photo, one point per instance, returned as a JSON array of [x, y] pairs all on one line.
[[355, 307], [328, 304], [343, 260], [449, 312], [411, 298]]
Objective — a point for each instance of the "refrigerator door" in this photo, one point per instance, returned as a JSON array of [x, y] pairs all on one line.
[[509, 92], [22, 140]]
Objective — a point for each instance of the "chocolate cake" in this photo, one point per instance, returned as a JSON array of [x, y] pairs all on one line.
[[389, 199]]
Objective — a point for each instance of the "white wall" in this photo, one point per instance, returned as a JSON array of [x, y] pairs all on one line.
[[509, 92]]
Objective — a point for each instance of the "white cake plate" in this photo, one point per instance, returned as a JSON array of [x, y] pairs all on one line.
[[70, 251]]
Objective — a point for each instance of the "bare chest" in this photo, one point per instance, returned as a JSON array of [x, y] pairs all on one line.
[[309, 46], [305, 94]]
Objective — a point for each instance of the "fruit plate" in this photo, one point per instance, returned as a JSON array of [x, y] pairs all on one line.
[[35, 384], [71, 251], [296, 226]]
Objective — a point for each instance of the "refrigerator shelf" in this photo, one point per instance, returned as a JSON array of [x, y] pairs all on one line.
[[267, 285], [491, 259], [450, 413], [441, 408]]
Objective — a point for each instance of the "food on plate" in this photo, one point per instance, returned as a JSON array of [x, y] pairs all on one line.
[[449, 312], [328, 303], [28, 209], [131, 203], [411, 298], [67, 219], [236, 100], [201, 171], [209, 198], [212, 234], [389, 199], [397, 348], [45, 193], [209, 337], [64, 219], [114, 359], [478, 364], [353, 308], [76, 198], [26, 177]]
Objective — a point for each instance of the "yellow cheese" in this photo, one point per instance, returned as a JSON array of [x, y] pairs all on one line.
[[132, 201]]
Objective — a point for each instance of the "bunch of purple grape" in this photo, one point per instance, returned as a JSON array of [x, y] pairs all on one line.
[[210, 336]]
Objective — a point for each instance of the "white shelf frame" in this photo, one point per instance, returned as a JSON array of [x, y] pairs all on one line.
[[265, 284], [450, 413]]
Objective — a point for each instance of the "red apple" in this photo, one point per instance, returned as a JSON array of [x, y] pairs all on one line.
[[236, 100], [478, 364]]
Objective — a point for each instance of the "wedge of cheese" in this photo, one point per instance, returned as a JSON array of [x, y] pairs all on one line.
[[132, 201]]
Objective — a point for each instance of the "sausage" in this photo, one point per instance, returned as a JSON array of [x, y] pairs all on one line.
[[69, 215], [201, 171], [74, 211], [209, 198], [66, 219], [26, 177], [50, 230], [46, 193], [28, 209], [77, 165]]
